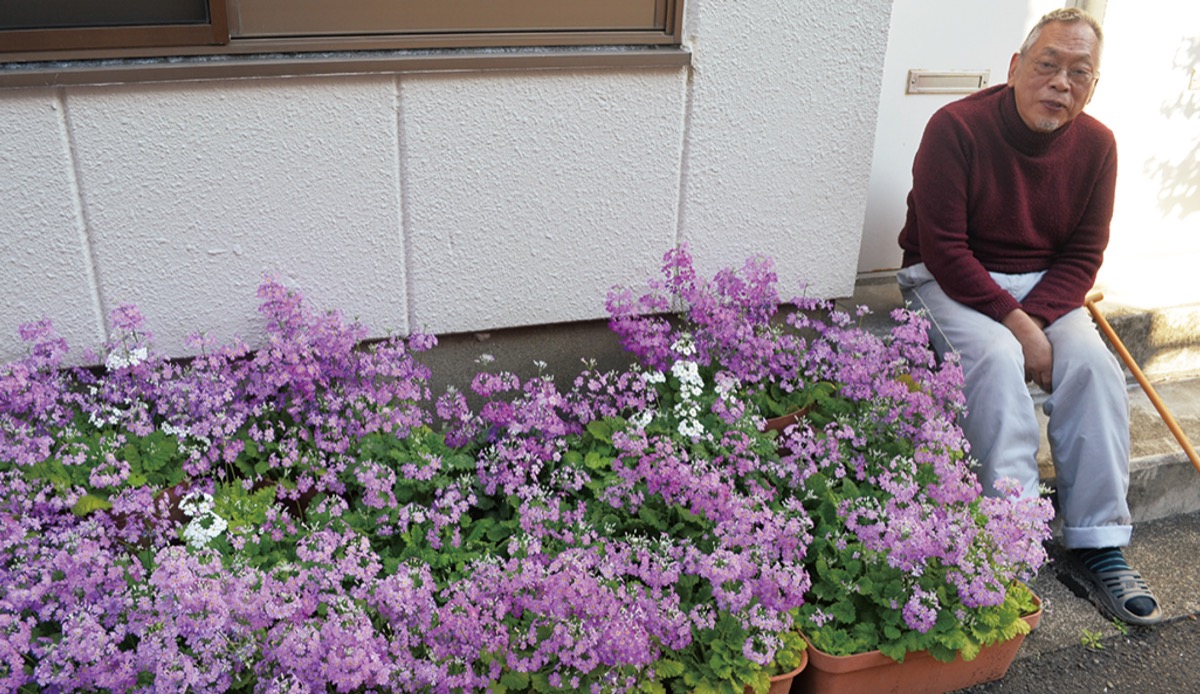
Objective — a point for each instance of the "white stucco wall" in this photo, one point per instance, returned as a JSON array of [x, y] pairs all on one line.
[[780, 137], [451, 202], [191, 192], [1148, 96], [45, 262], [528, 195]]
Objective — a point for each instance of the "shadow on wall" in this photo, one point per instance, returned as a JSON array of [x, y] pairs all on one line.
[[1179, 175]]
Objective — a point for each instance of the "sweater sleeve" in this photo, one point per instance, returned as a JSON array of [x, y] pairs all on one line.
[[1065, 285], [941, 182]]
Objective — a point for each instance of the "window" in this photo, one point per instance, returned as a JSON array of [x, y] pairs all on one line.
[[49, 25], [42, 30]]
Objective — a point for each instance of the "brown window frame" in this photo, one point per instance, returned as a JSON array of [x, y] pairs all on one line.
[[214, 32], [236, 28]]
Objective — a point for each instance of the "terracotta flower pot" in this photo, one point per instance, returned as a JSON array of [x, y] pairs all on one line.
[[782, 684], [781, 423], [920, 673]]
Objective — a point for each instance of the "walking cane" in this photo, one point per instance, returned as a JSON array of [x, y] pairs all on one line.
[[1159, 405]]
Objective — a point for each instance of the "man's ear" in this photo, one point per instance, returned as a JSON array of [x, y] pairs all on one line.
[[1012, 66]]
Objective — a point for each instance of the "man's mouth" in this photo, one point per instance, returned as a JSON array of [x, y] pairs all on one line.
[[1053, 105]]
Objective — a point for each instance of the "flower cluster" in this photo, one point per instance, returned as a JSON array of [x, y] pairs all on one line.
[[289, 518], [906, 552], [307, 516]]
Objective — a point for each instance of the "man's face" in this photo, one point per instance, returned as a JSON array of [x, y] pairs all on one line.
[[1055, 78]]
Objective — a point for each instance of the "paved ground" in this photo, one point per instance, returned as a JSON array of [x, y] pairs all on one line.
[[1162, 660]]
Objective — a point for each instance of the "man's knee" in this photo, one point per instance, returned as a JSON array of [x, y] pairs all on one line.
[[1086, 360], [999, 357]]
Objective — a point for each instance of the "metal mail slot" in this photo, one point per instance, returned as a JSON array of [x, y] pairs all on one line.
[[935, 82]]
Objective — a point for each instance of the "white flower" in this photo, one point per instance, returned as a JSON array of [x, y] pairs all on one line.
[[196, 504], [725, 383], [177, 432], [691, 428], [204, 529], [684, 346], [688, 373], [119, 359]]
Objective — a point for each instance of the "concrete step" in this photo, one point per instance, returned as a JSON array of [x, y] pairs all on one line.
[[1164, 341]]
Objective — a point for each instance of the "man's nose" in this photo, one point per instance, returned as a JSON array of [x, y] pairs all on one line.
[[1060, 81]]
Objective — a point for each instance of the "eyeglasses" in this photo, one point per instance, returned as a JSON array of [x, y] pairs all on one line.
[[1080, 77]]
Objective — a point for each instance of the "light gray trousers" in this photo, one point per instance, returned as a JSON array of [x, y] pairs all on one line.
[[1088, 408]]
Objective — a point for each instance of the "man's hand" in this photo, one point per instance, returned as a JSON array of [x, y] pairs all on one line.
[[1039, 355]]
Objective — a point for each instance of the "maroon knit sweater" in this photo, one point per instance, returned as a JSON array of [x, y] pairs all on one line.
[[990, 194]]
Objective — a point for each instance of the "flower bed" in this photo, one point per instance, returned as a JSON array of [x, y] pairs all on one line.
[[309, 516]]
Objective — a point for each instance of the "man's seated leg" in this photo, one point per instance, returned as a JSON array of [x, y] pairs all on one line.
[[1001, 424], [1089, 440]]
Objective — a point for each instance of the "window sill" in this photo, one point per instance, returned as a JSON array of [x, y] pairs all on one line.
[[220, 67]]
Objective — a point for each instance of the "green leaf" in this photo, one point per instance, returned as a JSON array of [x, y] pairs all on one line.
[[720, 666], [650, 517], [458, 461], [668, 668], [601, 429], [595, 461], [894, 650], [843, 611], [515, 680], [89, 503], [945, 654], [497, 532]]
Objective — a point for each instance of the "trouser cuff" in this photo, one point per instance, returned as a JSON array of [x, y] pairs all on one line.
[[1101, 536]]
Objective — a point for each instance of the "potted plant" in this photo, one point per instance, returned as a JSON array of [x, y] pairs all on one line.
[[665, 504], [306, 514], [302, 514], [906, 555]]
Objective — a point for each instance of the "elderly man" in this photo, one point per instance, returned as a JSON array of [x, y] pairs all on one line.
[[1006, 228]]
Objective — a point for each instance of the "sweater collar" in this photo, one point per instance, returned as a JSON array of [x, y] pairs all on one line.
[[1022, 137]]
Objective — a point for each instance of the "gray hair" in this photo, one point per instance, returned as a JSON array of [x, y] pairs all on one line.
[[1067, 15]]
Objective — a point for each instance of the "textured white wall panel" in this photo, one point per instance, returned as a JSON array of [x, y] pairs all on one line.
[[1149, 94], [194, 191], [529, 194], [784, 101], [44, 265]]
